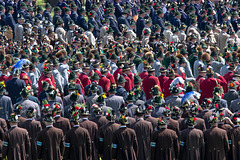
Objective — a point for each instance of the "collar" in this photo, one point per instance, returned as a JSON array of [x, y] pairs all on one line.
[[123, 126], [175, 96], [29, 119], [75, 126], [140, 119], [233, 90], [18, 115], [13, 126], [147, 115], [98, 115], [103, 76], [205, 110], [94, 94], [57, 116], [236, 126], [84, 119], [124, 74], [49, 126], [120, 86]]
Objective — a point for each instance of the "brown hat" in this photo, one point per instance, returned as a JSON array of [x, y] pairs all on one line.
[[205, 57]]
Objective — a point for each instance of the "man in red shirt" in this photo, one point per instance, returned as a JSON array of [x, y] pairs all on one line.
[[24, 75], [207, 85], [83, 76], [125, 72], [162, 78], [4, 77], [166, 84], [104, 82], [149, 82]]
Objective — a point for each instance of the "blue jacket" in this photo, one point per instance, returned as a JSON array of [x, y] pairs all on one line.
[[47, 15], [96, 31], [81, 21]]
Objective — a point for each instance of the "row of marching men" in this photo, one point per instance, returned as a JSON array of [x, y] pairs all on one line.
[[188, 132]]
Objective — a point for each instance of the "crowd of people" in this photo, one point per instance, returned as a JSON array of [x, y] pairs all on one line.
[[125, 80]]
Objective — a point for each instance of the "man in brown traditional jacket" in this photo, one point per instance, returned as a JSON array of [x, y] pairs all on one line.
[[216, 142], [92, 129], [50, 141], [16, 144], [191, 142], [143, 131], [60, 122], [164, 143], [234, 138], [125, 145], [105, 136], [33, 127], [77, 141]]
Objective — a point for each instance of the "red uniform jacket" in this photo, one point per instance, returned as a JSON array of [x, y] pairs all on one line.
[[42, 79], [9, 77], [111, 78], [104, 82], [183, 76], [228, 76], [4, 78], [162, 79], [96, 71], [115, 74], [200, 78], [84, 79], [131, 78], [148, 83], [207, 86], [78, 81], [166, 86], [26, 79], [128, 83], [143, 75]]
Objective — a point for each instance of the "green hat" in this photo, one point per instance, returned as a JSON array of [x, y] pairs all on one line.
[[193, 21], [160, 11], [234, 14], [155, 90], [55, 62], [10, 8], [51, 92], [2, 87], [59, 21], [45, 85], [209, 70], [161, 122], [137, 79], [90, 26], [224, 26], [17, 108], [178, 13], [73, 76], [149, 108], [20, 17], [189, 88], [124, 120], [110, 30], [81, 10], [139, 111], [176, 110], [175, 90], [166, 112], [151, 69], [57, 9], [191, 121], [214, 54], [213, 120], [175, 30], [25, 91], [75, 116], [1, 7], [236, 118], [121, 79], [72, 86], [146, 31], [113, 56], [141, 11], [47, 5], [13, 118], [48, 118], [192, 8], [93, 87], [23, 5], [84, 111], [225, 15], [57, 107], [101, 98], [130, 96], [73, 5], [95, 76], [92, 13], [232, 84], [30, 112], [112, 88], [148, 21], [32, 66], [110, 115], [45, 107], [183, 26], [30, 9], [34, 59], [157, 100], [39, 9], [163, 69], [71, 23]]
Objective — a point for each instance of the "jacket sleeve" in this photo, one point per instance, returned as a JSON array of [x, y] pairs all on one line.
[[5, 146], [153, 145], [88, 144], [39, 145], [27, 144]]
